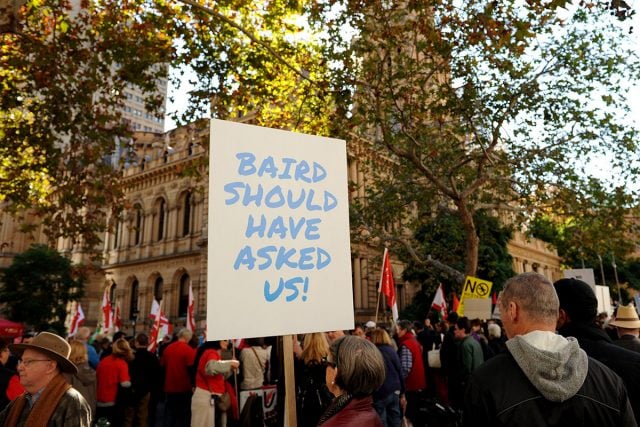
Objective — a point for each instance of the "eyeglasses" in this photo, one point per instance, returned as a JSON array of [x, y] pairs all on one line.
[[326, 362], [29, 362]]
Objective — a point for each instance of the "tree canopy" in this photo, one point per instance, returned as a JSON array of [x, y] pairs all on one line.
[[469, 105], [482, 105], [37, 287]]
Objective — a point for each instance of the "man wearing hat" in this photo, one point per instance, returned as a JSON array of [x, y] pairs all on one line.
[[577, 318], [628, 326], [49, 400]]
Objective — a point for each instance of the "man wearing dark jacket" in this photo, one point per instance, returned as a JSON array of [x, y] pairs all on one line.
[[146, 376], [578, 311], [543, 378]]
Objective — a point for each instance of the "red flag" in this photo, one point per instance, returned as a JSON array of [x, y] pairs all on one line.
[[439, 304], [456, 302], [106, 310], [388, 286], [494, 298], [191, 323], [76, 321]]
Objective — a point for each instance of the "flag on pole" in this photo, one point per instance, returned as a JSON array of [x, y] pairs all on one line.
[[76, 321], [160, 327], [107, 315], [439, 304], [388, 286], [191, 323], [154, 336], [456, 302]]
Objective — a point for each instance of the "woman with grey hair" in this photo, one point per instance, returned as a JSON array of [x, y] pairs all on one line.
[[355, 369]]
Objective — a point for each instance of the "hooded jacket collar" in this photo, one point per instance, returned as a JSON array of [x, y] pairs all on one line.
[[557, 371]]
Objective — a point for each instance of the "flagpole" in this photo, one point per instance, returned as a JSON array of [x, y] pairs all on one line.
[[384, 257]]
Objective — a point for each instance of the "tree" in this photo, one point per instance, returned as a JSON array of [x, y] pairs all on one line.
[[443, 237], [478, 105], [63, 74], [472, 106], [584, 229], [37, 287], [64, 68]]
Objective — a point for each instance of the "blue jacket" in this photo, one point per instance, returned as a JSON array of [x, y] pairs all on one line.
[[393, 380]]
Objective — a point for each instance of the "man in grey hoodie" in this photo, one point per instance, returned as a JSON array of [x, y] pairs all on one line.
[[544, 379]]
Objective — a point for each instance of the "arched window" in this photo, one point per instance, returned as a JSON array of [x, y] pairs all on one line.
[[157, 288], [186, 215], [190, 149], [183, 305], [133, 306], [112, 293], [138, 225], [161, 209], [165, 156]]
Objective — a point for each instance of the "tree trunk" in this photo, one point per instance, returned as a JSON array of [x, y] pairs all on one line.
[[472, 241]]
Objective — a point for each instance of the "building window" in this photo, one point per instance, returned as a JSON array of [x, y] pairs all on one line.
[[183, 305], [157, 289], [186, 215], [116, 232], [161, 209], [133, 306], [112, 293], [138, 225]]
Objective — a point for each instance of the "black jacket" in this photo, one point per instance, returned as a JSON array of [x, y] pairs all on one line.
[[597, 344], [499, 394]]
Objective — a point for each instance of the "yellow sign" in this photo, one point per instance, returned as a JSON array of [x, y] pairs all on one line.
[[474, 288]]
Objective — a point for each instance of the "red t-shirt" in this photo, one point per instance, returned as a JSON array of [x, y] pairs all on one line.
[[111, 371], [211, 383], [176, 359]]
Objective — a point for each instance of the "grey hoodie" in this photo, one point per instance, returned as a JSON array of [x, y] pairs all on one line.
[[558, 374]]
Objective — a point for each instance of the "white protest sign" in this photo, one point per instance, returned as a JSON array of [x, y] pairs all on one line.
[[279, 258]]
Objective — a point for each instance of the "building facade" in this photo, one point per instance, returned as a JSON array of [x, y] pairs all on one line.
[[158, 245]]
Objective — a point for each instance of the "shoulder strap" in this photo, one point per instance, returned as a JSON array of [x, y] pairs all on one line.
[[258, 357]]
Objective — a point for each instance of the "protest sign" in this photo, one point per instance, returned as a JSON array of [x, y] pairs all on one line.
[[279, 259], [474, 288]]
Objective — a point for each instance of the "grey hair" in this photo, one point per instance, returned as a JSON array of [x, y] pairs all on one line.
[[360, 365], [535, 294], [494, 330], [185, 334]]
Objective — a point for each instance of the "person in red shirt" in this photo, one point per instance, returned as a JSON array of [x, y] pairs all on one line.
[[176, 360], [210, 383], [10, 386], [112, 372]]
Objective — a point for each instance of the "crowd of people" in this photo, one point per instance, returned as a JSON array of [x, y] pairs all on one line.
[[550, 360]]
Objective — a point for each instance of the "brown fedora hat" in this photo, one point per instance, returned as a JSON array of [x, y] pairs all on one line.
[[50, 345], [627, 317]]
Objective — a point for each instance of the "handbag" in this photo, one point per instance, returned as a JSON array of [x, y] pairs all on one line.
[[433, 357], [223, 402]]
